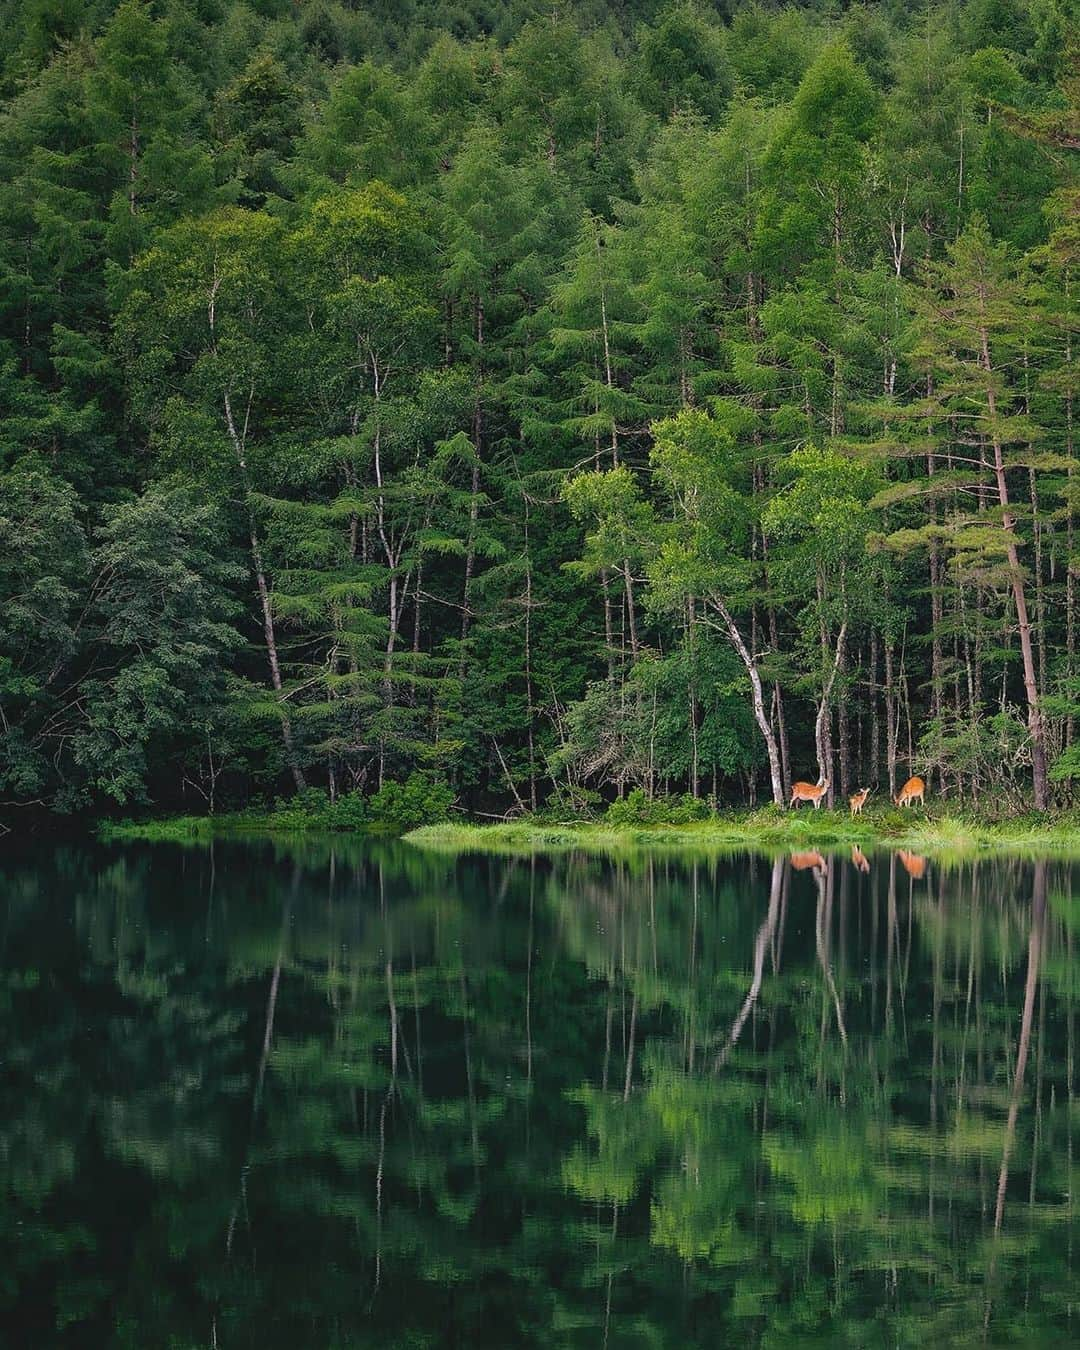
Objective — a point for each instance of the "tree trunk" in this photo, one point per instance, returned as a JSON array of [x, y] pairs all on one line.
[[822, 728], [609, 630], [1070, 580], [474, 504], [871, 775], [892, 718], [691, 694], [778, 694], [844, 730], [1008, 521], [760, 714], [530, 702], [264, 597]]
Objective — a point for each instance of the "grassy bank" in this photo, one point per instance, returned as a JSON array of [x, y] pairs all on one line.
[[240, 824], [191, 829], [396, 807], [766, 829]]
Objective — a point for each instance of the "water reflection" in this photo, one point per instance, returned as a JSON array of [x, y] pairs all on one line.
[[340, 1095]]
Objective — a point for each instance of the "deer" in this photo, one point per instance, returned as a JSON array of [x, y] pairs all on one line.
[[858, 800], [912, 790], [811, 859], [859, 858], [808, 792]]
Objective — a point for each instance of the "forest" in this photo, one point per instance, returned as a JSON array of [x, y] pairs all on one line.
[[531, 405]]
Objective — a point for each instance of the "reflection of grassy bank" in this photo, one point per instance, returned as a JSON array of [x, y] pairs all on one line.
[[764, 829]]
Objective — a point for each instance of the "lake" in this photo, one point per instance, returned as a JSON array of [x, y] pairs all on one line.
[[336, 1094]]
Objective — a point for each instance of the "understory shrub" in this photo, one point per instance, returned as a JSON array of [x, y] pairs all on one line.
[[638, 809], [422, 799]]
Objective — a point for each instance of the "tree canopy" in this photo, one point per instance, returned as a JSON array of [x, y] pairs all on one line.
[[657, 395]]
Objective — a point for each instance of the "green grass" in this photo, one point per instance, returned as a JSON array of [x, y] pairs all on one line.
[[767, 829], [177, 829], [198, 829]]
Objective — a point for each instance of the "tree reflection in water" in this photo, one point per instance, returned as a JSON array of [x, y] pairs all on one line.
[[358, 1095]]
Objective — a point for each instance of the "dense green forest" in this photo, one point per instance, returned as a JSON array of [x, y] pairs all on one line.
[[543, 401]]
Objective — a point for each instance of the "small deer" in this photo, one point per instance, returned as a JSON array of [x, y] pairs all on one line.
[[808, 792], [859, 858], [912, 791], [858, 800]]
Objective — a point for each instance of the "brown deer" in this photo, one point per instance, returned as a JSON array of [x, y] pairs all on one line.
[[859, 858], [858, 800], [912, 791], [808, 792]]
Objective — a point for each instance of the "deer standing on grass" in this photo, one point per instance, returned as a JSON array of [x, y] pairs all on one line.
[[913, 790], [858, 800], [808, 792]]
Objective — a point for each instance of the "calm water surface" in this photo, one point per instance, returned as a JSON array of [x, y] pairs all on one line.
[[359, 1095]]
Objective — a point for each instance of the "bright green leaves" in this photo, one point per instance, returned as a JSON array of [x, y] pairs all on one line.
[[823, 505], [817, 170], [623, 523], [382, 291], [200, 322], [592, 312], [697, 461], [368, 129]]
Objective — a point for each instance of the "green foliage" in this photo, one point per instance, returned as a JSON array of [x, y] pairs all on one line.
[[163, 614], [43, 563], [421, 800], [682, 64], [637, 809], [554, 403]]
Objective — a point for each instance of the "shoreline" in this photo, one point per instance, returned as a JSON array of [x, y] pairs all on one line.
[[765, 830]]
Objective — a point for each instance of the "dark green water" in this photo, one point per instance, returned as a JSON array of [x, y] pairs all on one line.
[[364, 1096]]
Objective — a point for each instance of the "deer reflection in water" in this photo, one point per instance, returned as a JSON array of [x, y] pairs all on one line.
[[912, 863]]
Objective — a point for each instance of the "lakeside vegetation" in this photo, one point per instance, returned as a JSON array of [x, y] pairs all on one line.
[[551, 401], [766, 830], [761, 830], [394, 809]]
